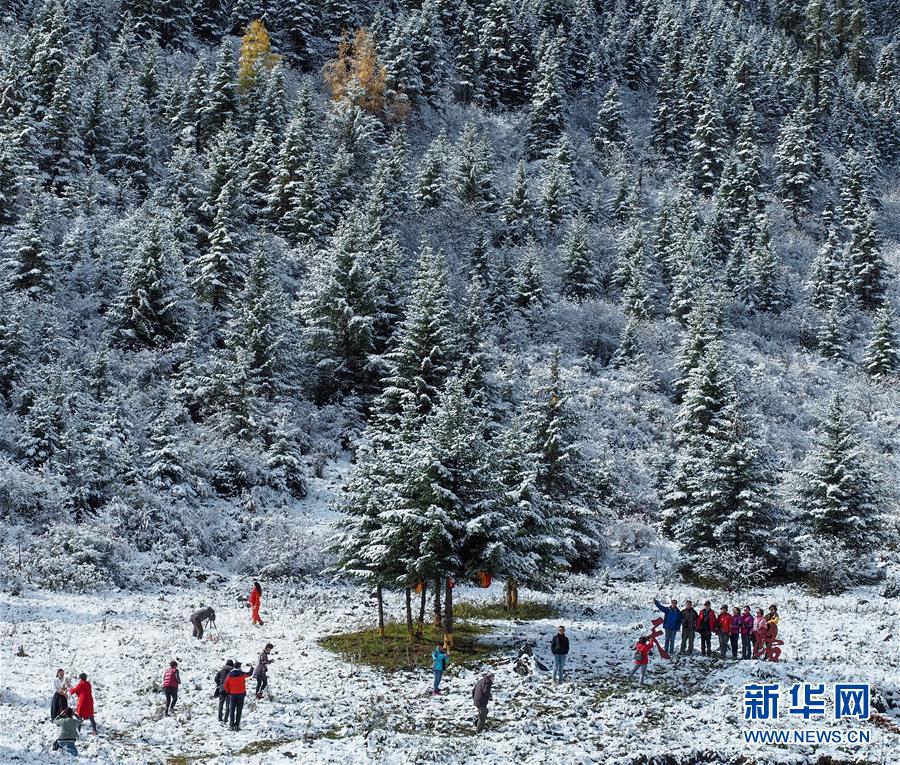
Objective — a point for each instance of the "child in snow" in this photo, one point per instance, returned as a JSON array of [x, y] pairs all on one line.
[[68, 732], [85, 707], [60, 700], [262, 670], [171, 681], [255, 600], [642, 650], [439, 661]]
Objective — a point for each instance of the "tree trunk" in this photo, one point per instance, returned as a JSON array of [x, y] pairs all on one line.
[[409, 622], [512, 595], [448, 618], [437, 603], [423, 599], [380, 610]]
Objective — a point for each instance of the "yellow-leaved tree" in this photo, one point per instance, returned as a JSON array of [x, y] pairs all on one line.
[[357, 74], [256, 54]]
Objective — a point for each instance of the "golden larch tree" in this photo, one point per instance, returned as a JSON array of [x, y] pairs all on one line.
[[256, 53], [357, 74]]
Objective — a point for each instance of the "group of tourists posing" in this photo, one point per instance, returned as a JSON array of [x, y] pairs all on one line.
[[735, 628], [230, 684]]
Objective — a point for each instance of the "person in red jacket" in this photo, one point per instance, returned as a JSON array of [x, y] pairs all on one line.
[[254, 600], [642, 650], [723, 627], [171, 681], [85, 706], [236, 688]]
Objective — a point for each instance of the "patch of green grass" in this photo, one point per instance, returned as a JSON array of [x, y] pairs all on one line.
[[396, 651], [527, 611]]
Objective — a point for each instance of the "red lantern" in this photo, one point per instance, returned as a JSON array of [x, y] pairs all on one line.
[[451, 584], [484, 579]]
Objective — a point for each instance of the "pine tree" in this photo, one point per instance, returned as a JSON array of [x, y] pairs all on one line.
[[837, 495], [764, 273], [794, 163], [866, 266], [220, 104], [517, 210], [566, 478], [284, 458], [468, 58], [828, 278], [609, 134], [427, 345], [340, 332], [259, 328], [706, 146], [432, 172], [28, 264], [545, 122], [12, 343], [473, 171], [220, 269], [882, 359], [578, 281], [260, 173], [151, 310], [530, 294], [831, 337]]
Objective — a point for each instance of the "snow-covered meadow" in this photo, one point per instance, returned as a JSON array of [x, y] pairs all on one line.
[[323, 709]]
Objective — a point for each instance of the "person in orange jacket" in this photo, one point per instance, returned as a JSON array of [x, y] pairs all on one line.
[[255, 600], [236, 688], [85, 707]]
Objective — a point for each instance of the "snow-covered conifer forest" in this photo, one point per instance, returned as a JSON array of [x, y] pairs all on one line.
[[381, 302]]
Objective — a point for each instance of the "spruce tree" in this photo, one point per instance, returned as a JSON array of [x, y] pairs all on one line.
[[707, 147], [866, 266], [609, 134], [882, 359], [427, 345], [340, 333], [151, 310], [578, 280], [545, 122], [517, 210], [837, 492], [28, 264], [430, 187]]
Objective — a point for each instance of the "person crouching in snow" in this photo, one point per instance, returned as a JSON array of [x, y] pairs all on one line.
[[262, 670], [201, 617], [255, 600], [68, 732], [642, 650], [171, 681], [85, 707], [439, 661]]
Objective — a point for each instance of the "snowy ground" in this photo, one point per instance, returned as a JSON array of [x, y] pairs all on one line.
[[324, 710]]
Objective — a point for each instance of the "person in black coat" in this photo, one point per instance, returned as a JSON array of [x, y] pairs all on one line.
[[559, 647]]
